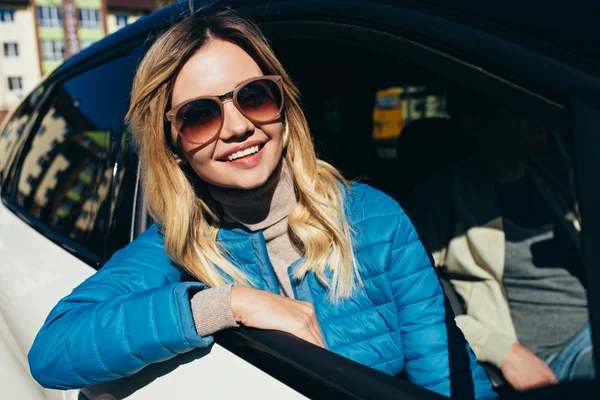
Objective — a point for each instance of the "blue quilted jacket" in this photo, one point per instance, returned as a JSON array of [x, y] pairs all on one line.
[[136, 310]]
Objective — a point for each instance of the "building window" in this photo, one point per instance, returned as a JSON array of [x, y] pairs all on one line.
[[53, 50], [50, 17], [15, 84], [121, 20], [7, 15], [89, 18], [11, 50]]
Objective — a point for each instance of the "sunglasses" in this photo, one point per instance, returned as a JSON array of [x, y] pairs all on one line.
[[200, 119]]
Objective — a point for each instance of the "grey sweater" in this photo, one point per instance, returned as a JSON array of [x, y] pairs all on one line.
[[548, 303], [266, 209]]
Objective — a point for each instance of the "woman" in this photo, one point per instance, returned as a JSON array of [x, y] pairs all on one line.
[[251, 229]]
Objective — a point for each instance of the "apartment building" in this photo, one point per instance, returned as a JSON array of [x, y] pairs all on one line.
[[37, 35]]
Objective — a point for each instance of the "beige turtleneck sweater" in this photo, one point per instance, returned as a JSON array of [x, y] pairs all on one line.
[[267, 209]]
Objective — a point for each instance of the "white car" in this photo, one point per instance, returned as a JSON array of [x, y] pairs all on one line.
[[69, 178]]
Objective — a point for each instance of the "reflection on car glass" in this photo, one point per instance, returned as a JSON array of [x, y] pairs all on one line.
[[66, 174], [397, 106], [16, 125]]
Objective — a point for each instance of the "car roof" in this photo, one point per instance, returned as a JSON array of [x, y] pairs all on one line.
[[565, 33], [572, 26]]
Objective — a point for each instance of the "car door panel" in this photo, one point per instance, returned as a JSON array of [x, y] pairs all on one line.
[[35, 274], [14, 371], [218, 374]]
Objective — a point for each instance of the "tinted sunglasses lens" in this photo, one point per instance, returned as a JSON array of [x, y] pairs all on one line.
[[199, 120], [260, 100]]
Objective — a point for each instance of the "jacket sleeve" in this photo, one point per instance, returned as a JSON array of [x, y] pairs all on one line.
[[488, 345], [134, 311], [437, 356]]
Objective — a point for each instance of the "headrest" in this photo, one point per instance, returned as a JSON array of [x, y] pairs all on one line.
[[427, 145]]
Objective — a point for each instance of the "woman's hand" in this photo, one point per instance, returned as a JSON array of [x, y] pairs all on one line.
[[524, 370], [263, 310]]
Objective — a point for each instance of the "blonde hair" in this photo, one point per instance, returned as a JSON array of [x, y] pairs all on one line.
[[187, 215]]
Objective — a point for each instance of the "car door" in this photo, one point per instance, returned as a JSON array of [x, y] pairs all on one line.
[[341, 54], [65, 165], [370, 39], [55, 199], [13, 367], [344, 56]]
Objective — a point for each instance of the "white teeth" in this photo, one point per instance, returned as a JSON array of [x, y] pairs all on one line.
[[242, 153]]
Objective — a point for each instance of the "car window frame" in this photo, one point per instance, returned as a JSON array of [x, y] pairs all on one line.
[[581, 99], [504, 85], [586, 119], [9, 185], [270, 351], [16, 113]]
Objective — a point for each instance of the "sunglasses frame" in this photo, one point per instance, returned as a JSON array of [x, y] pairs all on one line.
[[221, 99]]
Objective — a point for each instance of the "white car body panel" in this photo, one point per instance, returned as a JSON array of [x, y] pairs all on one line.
[[14, 376], [35, 274]]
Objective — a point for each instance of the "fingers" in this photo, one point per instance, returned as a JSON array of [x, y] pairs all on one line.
[[307, 330], [552, 378], [548, 374], [314, 326], [308, 327], [316, 331], [525, 371], [263, 310]]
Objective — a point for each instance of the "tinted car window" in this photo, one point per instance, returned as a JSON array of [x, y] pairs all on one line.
[[15, 128], [359, 107], [66, 171], [470, 170]]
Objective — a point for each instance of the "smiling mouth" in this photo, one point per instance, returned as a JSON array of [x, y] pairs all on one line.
[[243, 153]]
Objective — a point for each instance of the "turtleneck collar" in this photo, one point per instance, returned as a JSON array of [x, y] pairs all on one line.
[[260, 208]]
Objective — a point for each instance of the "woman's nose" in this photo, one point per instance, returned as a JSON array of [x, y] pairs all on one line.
[[235, 124]]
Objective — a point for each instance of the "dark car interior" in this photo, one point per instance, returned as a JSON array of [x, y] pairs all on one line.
[[339, 86]]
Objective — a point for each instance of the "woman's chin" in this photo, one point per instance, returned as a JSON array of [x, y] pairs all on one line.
[[247, 185], [246, 180]]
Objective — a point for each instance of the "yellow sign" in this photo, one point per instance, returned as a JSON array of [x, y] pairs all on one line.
[[397, 106], [388, 115]]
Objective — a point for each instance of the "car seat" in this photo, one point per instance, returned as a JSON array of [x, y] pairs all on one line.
[[426, 146]]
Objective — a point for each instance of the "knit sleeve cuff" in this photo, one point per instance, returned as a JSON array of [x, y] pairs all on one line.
[[496, 346], [211, 309]]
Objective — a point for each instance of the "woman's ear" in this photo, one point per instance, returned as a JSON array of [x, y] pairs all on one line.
[[179, 160]]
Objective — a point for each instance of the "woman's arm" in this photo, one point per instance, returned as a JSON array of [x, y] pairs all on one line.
[[437, 355], [211, 310], [264, 310], [134, 311]]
